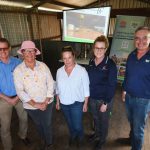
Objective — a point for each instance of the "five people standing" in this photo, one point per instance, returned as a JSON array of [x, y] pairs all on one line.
[[34, 86]]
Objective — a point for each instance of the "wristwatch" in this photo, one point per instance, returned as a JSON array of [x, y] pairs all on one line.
[[105, 103]]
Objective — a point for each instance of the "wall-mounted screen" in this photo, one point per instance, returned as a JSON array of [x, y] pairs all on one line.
[[84, 25]]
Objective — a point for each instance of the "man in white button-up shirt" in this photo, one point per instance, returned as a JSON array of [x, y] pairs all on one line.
[[34, 86]]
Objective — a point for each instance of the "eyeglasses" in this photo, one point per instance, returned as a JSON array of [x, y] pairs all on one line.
[[145, 38], [99, 49], [27, 51], [4, 49]]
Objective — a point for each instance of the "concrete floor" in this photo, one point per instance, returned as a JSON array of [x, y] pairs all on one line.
[[119, 128]]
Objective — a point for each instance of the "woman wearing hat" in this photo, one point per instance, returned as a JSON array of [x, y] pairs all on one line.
[[34, 86]]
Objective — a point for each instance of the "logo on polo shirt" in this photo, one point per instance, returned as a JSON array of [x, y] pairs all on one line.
[[147, 61], [104, 68]]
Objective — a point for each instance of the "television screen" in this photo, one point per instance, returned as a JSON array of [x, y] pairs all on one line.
[[84, 25]]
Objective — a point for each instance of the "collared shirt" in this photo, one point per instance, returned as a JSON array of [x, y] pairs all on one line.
[[103, 79], [36, 84], [6, 76], [74, 87], [137, 77]]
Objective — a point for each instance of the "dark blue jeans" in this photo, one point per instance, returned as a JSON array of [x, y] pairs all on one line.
[[73, 114], [43, 121], [137, 112], [101, 119]]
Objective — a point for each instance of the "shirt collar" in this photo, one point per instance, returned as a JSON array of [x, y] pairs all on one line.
[[9, 60], [74, 66], [135, 52], [148, 53], [104, 61], [36, 64]]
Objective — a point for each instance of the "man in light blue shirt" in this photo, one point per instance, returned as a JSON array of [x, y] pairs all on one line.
[[9, 98]]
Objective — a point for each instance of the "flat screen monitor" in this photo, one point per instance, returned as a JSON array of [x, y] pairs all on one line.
[[84, 25]]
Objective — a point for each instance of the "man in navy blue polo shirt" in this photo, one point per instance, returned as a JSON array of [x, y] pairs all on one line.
[[9, 98], [137, 86]]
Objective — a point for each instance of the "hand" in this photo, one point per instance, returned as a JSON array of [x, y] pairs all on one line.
[[13, 101], [57, 105], [85, 107], [47, 100], [123, 96], [41, 106], [103, 108]]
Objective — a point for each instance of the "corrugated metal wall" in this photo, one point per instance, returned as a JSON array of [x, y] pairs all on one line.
[[49, 26], [15, 27]]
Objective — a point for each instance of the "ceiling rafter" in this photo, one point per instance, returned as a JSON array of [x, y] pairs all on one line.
[[61, 4], [145, 1], [97, 2], [91, 4], [131, 11], [65, 5], [37, 5]]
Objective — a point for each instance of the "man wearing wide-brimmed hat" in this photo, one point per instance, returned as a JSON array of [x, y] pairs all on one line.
[[9, 98], [34, 86]]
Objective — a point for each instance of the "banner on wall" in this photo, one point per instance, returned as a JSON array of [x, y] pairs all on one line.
[[1, 32], [123, 40]]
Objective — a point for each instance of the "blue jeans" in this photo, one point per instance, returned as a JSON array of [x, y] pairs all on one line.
[[137, 112], [101, 119], [43, 121], [73, 114]]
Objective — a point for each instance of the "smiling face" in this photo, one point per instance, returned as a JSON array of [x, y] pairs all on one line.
[[99, 49], [4, 51], [68, 59], [29, 55], [142, 40]]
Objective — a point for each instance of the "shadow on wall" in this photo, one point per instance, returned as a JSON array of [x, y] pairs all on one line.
[[52, 53]]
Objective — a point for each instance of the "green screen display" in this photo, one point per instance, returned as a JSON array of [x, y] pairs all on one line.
[[85, 25]]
